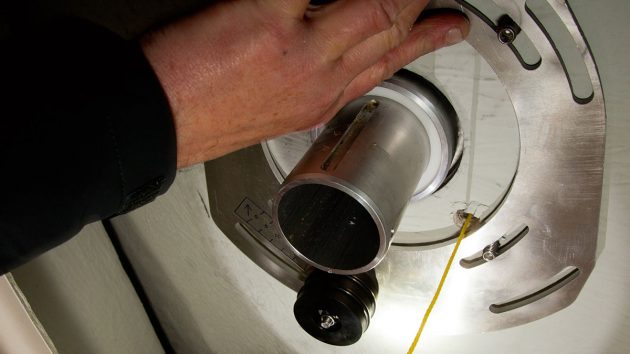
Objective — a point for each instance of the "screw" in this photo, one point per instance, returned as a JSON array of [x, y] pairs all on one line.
[[506, 35], [327, 321], [490, 252]]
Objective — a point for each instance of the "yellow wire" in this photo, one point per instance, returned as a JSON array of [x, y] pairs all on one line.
[[439, 288]]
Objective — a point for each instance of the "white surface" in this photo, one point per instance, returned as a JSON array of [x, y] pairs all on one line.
[[18, 332], [83, 298]]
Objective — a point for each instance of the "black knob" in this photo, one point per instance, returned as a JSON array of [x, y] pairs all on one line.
[[336, 309]]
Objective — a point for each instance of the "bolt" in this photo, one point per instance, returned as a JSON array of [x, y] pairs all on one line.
[[506, 35], [490, 252], [327, 321]]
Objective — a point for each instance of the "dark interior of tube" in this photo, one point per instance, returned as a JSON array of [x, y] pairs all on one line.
[[328, 226]]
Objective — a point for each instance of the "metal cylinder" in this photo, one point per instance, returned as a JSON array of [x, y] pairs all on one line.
[[342, 203]]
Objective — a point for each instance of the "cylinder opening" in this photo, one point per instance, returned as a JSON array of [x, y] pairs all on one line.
[[328, 227]]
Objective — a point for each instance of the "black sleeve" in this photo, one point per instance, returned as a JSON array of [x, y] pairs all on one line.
[[85, 133]]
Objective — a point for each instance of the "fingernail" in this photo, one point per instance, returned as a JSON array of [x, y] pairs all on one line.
[[453, 36]]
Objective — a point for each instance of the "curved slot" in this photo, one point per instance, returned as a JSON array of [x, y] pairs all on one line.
[[565, 47], [526, 52], [495, 17], [506, 242], [556, 282]]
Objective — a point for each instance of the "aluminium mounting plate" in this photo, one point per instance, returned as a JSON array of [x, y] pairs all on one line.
[[547, 224]]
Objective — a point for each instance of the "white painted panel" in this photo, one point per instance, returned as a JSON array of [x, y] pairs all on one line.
[[19, 329], [84, 300]]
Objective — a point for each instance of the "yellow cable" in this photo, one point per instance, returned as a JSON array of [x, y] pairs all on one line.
[[439, 288]]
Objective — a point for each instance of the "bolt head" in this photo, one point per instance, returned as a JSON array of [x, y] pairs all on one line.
[[488, 256], [327, 321], [506, 35]]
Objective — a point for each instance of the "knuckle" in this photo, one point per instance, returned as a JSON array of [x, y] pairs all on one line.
[[387, 68], [346, 65], [378, 74]]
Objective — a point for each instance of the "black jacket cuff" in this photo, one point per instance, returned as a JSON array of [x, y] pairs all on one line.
[[86, 133]]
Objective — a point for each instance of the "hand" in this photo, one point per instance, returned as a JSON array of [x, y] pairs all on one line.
[[243, 71]]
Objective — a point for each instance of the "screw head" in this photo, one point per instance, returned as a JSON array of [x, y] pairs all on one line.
[[327, 321], [488, 256], [491, 251], [506, 35]]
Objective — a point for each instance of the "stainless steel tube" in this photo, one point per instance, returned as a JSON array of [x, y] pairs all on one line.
[[341, 205]]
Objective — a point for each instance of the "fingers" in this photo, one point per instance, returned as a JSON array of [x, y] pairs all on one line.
[[344, 24], [290, 8], [430, 34], [368, 52]]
